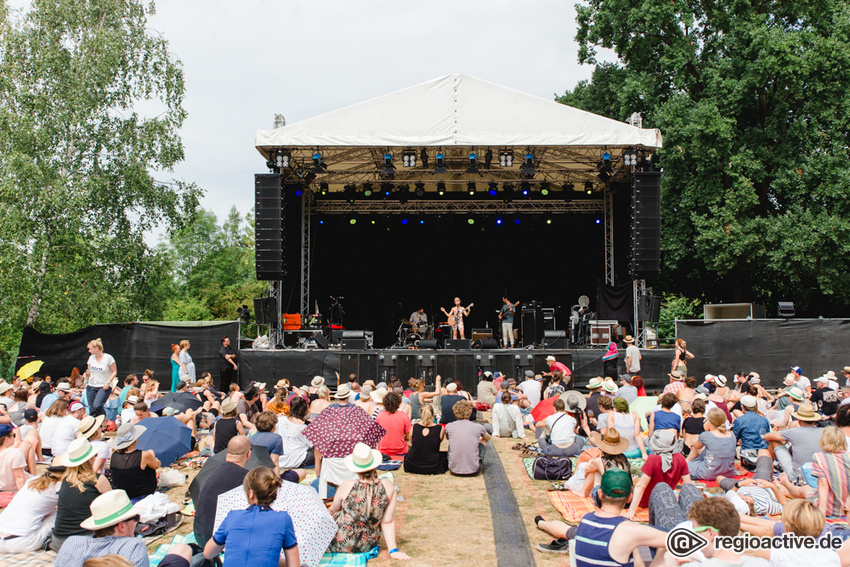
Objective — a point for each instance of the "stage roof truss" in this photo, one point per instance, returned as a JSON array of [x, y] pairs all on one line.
[[448, 207]]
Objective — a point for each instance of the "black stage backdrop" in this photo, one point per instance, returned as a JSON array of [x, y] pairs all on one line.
[[616, 302], [386, 270], [135, 347], [768, 346]]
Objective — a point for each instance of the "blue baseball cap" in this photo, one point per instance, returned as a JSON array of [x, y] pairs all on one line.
[[5, 429], [797, 369]]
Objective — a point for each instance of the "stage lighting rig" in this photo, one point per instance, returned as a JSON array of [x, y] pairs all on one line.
[[280, 160], [544, 188], [525, 188], [441, 188], [244, 314], [323, 189], [408, 158], [367, 189], [588, 187], [506, 158], [389, 169], [527, 167], [386, 189], [605, 168], [423, 157], [403, 193], [319, 165], [508, 190], [473, 163], [488, 158], [630, 159], [440, 166], [494, 189], [419, 189], [350, 192], [470, 186]]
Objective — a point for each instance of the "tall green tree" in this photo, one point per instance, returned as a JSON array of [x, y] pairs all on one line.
[[753, 103], [90, 108]]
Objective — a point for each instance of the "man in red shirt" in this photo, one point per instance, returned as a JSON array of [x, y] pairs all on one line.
[[555, 365], [663, 465]]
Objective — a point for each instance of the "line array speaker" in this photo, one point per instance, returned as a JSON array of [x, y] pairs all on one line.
[[268, 226], [264, 308], [649, 308], [646, 225]]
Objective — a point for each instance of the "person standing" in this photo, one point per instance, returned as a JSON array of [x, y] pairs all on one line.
[[226, 364], [506, 316], [175, 365], [456, 316], [187, 366], [633, 357], [102, 371], [555, 365], [680, 360], [609, 361]]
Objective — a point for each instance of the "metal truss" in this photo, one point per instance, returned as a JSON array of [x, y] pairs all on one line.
[[448, 207], [275, 329], [306, 206], [608, 205], [639, 289]]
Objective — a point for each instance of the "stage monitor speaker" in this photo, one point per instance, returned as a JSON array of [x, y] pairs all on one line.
[[268, 227], [649, 308], [785, 309], [429, 343], [489, 344], [264, 310], [555, 339], [355, 344], [354, 334], [458, 344], [321, 340], [646, 225], [336, 336]]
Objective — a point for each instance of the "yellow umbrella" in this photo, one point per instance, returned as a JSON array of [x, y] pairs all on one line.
[[29, 369]]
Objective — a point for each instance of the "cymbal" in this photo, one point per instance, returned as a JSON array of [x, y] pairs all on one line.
[[405, 321]]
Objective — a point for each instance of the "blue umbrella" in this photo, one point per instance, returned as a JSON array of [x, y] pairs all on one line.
[[167, 436]]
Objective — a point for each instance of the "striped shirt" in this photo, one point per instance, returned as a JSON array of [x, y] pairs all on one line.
[[764, 501], [592, 540], [835, 468]]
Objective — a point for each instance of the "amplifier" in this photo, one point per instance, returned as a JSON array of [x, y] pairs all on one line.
[[458, 344], [478, 334]]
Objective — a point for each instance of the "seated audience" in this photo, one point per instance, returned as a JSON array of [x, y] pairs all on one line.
[[226, 477], [507, 419], [447, 403], [694, 424], [297, 449], [365, 400], [562, 440], [266, 422], [67, 429], [90, 428], [466, 441], [52, 418], [713, 453], [804, 440], [750, 428], [364, 508], [397, 426], [79, 488], [831, 468], [802, 518], [666, 465], [604, 537], [258, 535], [420, 398], [246, 408], [26, 523], [627, 391], [227, 427], [612, 447], [322, 401], [713, 517], [666, 417], [606, 406], [486, 389], [627, 424], [760, 492], [637, 382], [133, 470], [424, 455], [13, 462], [113, 522]]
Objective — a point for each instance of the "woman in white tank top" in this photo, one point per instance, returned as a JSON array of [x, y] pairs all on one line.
[[627, 425]]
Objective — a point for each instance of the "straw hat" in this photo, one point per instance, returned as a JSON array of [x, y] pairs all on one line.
[[365, 391], [453, 387], [846, 369], [89, 425], [35, 385], [748, 401], [343, 392], [611, 443], [363, 459], [282, 383], [63, 387], [317, 381], [676, 375], [126, 435], [609, 386], [594, 383], [378, 395], [807, 413], [4, 387], [79, 451], [574, 399], [795, 393], [132, 399], [790, 379], [720, 380], [629, 339], [108, 509], [228, 405]]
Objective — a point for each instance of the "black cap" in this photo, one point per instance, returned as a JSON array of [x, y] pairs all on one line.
[[30, 414], [44, 386], [180, 385]]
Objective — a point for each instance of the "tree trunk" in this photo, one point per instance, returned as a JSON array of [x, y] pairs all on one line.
[[32, 315]]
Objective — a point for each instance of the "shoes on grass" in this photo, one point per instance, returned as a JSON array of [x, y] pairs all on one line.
[[559, 545]]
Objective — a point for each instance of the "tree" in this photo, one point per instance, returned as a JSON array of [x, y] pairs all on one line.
[[90, 108], [751, 98]]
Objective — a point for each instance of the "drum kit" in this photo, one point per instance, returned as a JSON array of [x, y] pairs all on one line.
[[409, 335]]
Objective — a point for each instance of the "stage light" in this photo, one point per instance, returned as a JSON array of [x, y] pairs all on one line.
[[321, 222], [420, 189], [606, 159], [488, 158], [544, 188], [298, 192], [605, 169], [408, 158], [373, 221], [516, 221], [441, 188], [470, 186], [567, 187], [323, 189], [506, 158], [598, 221], [403, 221], [318, 165], [527, 168], [423, 156], [244, 314], [498, 221], [281, 158], [350, 192], [473, 163], [494, 189], [525, 188], [440, 167], [352, 221], [588, 186], [367, 189], [548, 221], [470, 221], [508, 189], [387, 188], [388, 169], [421, 221], [403, 194], [630, 159]]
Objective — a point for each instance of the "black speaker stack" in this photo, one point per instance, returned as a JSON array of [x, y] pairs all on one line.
[[269, 227], [646, 225]]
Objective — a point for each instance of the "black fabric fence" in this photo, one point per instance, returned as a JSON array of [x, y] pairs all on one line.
[[768, 346], [135, 347], [615, 302]]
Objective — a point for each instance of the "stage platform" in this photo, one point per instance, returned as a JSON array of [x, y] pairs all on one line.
[[299, 366]]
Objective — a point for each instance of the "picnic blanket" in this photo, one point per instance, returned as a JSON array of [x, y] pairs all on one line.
[[163, 549], [740, 472], [30, 559], [348, 559], [573, 507], [635, 465]]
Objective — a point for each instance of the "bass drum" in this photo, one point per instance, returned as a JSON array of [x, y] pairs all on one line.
[[412, 340]]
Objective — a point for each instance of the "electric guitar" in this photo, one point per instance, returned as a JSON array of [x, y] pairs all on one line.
[[458, 315], [503, 313]]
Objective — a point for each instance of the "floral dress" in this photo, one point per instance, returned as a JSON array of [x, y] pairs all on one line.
[[359, 520]]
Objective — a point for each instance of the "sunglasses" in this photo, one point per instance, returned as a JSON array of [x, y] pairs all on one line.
[[703, 528]]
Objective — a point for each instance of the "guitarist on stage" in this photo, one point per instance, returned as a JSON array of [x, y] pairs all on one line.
[[456, 317], [506, 316]]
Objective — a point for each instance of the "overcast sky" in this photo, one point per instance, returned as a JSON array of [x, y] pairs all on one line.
[[246, 61]]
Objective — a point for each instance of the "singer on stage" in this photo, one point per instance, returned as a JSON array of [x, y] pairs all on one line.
[[456, 317]]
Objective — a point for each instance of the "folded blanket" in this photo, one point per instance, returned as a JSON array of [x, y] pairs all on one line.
[[348, 559], [573, 507]]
